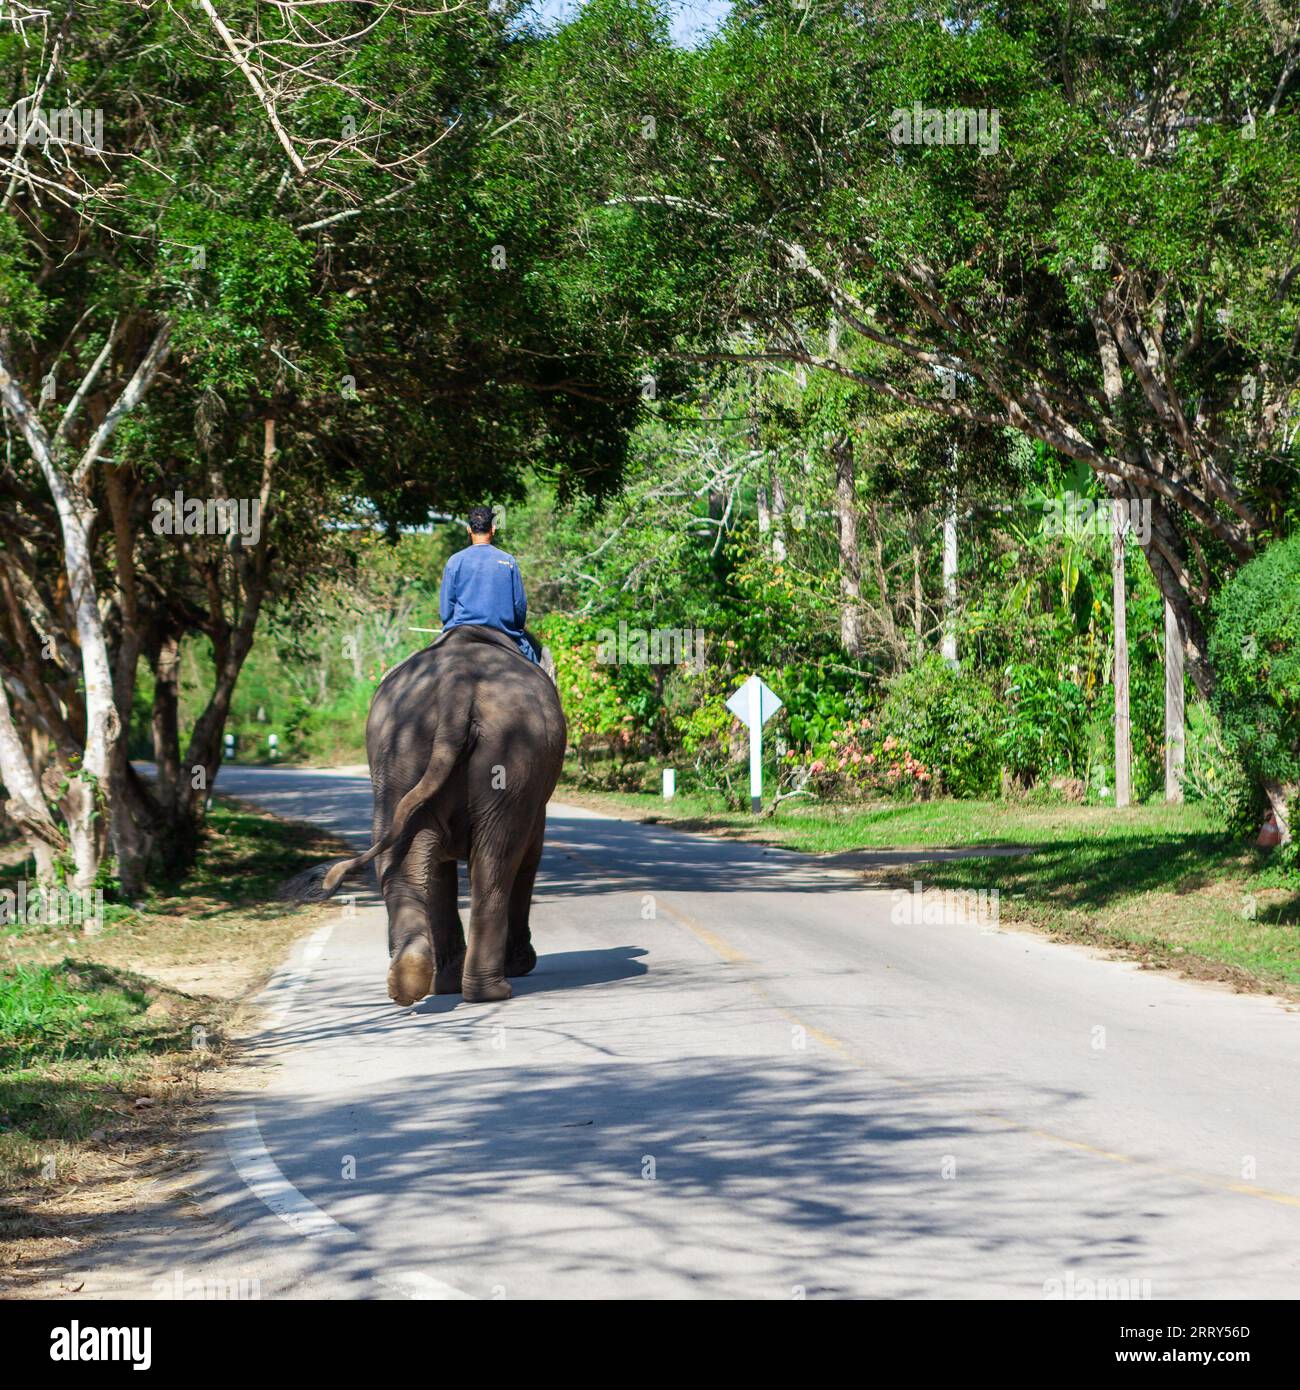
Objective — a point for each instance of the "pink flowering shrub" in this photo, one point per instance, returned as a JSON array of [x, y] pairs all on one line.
[[858, 763]]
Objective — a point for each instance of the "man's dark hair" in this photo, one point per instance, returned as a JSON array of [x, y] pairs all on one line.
[[480, 520]]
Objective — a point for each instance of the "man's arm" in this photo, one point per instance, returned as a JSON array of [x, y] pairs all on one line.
[[521, 603], [447, 593]]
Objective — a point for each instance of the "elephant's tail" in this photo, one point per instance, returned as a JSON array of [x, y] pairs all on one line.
[[306, 887], [321, 882]]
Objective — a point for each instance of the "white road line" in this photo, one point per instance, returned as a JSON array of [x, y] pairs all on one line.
[[415, 1283], [263, 1178], [282, 990]]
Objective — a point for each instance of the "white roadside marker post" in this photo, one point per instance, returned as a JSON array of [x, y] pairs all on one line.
[[754, 704], [670, 783], [755, 750]]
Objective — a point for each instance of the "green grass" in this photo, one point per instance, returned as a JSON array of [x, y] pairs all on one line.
[[79, 1042], [817, 828], [246, 856], [51, 1013], [73, 1038], [1164, 883], [1165, 893]]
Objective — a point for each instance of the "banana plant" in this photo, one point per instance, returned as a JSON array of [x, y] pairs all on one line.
[[1065, 531]]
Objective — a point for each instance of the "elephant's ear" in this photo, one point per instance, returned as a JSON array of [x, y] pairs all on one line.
[[548, 664]]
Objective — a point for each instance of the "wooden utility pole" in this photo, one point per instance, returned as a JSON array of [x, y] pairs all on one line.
[[1123, 730], [1175, 738]]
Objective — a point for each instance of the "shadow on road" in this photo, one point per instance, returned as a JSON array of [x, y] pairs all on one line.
[[750, 1176]]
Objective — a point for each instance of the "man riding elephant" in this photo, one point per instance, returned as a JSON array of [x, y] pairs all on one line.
[[465, 741], [481, 586]]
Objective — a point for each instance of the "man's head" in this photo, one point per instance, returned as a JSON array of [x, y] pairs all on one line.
[[481, 524]]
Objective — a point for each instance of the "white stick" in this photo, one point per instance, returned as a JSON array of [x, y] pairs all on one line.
[[755, 748]]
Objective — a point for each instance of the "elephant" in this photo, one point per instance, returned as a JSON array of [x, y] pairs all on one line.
[[465, 740]]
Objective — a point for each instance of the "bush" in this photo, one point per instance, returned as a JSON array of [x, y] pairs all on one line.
[[601, 700], [1213, 775], [819, 702], [1254, 649], [860, 762], [1045, 727], [948, 721]]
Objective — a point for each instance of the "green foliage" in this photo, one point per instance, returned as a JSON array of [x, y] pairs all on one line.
[[817, 704], [333, 732], [1255, 649], [608, 251], [948, 720], [595, 693], [24, 308], [1213, 774], [1045, 730], [257, 292]]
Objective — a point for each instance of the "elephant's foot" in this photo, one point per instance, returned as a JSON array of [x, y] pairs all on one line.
[[484, 990], [411, 973], [520, 962], [447, 980]]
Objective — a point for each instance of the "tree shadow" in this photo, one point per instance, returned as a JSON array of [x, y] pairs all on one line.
[[1088, 874], [699, 1176]]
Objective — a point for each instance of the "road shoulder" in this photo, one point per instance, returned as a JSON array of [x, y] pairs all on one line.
[[98, 1140]]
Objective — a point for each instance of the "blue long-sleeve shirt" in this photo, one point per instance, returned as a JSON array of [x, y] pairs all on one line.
[[482, 585]]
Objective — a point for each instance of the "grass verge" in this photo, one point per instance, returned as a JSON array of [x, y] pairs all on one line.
[[113, 1045]]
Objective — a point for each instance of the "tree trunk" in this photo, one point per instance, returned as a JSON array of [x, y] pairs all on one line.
[[1166, 552], [778, 515], [846, 517], [897, 644], [177, 840], [165, 719], [87, 803], [26, 806], [89, 807], [203, 759], [1123, 732], [1281, 797], [1175, 740], [131, 827], [949, 648]]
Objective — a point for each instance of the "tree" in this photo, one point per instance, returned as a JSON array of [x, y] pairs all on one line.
[[267, 290], [1255, 645], [1084, 217]]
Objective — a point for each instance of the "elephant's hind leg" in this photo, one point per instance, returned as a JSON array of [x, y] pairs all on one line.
[[405, 886], [491, 878], [448, 934], [520, 956]]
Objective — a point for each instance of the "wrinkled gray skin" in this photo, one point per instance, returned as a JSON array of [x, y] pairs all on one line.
[[465, 741]]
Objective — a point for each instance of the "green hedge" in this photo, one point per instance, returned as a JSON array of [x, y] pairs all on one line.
[[1254, 649]]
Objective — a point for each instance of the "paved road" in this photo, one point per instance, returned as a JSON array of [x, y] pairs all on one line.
[[733, 1075]]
